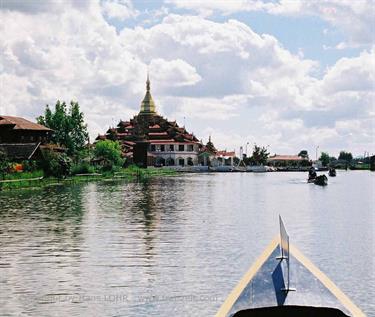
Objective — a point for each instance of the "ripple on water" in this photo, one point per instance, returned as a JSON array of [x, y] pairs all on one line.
[[176, 245]]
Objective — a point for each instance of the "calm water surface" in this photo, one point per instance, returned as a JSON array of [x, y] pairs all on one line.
[[176, 246]]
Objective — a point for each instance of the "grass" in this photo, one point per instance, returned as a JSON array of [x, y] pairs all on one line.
[[35, 179], [23, 175]]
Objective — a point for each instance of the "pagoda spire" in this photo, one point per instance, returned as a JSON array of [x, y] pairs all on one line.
[[148, 104], [148, 81]]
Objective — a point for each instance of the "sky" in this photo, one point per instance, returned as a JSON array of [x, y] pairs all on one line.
[[286, 74]]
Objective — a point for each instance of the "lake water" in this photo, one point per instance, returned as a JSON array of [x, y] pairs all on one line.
[[176, 246]]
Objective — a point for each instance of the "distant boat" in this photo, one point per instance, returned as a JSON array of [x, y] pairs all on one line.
[[311, 179], [321, 180], [283, 282], [332, 172]]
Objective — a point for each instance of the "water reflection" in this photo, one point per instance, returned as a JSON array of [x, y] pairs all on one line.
[[72, 250]]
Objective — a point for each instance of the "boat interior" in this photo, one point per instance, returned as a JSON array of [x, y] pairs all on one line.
[[291, 311]]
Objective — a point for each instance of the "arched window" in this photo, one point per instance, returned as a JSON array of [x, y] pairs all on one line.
[[170, 162], [160, 161]]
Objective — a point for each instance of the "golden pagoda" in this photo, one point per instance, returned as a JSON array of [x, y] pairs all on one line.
[[148, 104]]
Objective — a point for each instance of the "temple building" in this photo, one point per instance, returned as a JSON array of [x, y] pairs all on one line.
[[167, 144], [210, 156]]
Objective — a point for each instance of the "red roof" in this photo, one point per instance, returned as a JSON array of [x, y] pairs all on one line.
[[128, 142], [157, 133], [155, 126], [171, 141], [225, 153], [22, 124]]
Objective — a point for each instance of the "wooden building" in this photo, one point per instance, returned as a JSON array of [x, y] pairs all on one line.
[[21, 139], [20, 130]]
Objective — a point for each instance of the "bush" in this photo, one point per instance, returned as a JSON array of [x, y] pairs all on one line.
[[29, 166], [54, 164], [110, 154], [82, 168]]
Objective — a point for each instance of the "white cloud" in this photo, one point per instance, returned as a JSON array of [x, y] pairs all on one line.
[[353, 18], [119, 9], [208, 7], [206, 108], [352, 74], [174, 73], [44, 6], [223, 77]]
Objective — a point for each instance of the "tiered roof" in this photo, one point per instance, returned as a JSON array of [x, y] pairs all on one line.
[[148, 126]]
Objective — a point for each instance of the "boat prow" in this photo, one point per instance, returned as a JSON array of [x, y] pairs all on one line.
[[283, 282]]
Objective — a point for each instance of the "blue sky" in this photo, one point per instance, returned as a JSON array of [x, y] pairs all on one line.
[[292, 74]]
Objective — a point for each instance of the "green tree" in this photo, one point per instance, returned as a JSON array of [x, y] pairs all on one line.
[[110, 152], [324, 158], [346, 156], [69, 128], [259, 156], [304, 154]]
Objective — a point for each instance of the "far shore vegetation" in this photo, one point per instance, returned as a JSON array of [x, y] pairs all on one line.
[[73, 158], [77, 160]]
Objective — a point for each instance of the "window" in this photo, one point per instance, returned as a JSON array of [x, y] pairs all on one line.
[[190, 148], [181, 162], [153, 148], [181, 147], [162, 148], [171, 148], [190, 161], [170, 161]]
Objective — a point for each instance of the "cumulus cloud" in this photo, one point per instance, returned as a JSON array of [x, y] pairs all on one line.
[[119, 9], [174, 73], [229, 56], [353, 18], [46, 6], [223, 77], [352, 74]]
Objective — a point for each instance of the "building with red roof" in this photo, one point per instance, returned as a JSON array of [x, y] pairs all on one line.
[[168, 144]]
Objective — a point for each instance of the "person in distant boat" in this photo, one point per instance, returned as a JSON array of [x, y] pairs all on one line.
[[332, 171], [312, 173]]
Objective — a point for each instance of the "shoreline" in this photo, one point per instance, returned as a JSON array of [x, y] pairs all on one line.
[[42, 182], [128, 174]]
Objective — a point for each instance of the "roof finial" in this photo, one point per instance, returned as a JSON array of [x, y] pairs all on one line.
[[209, 138], [148, 80]]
